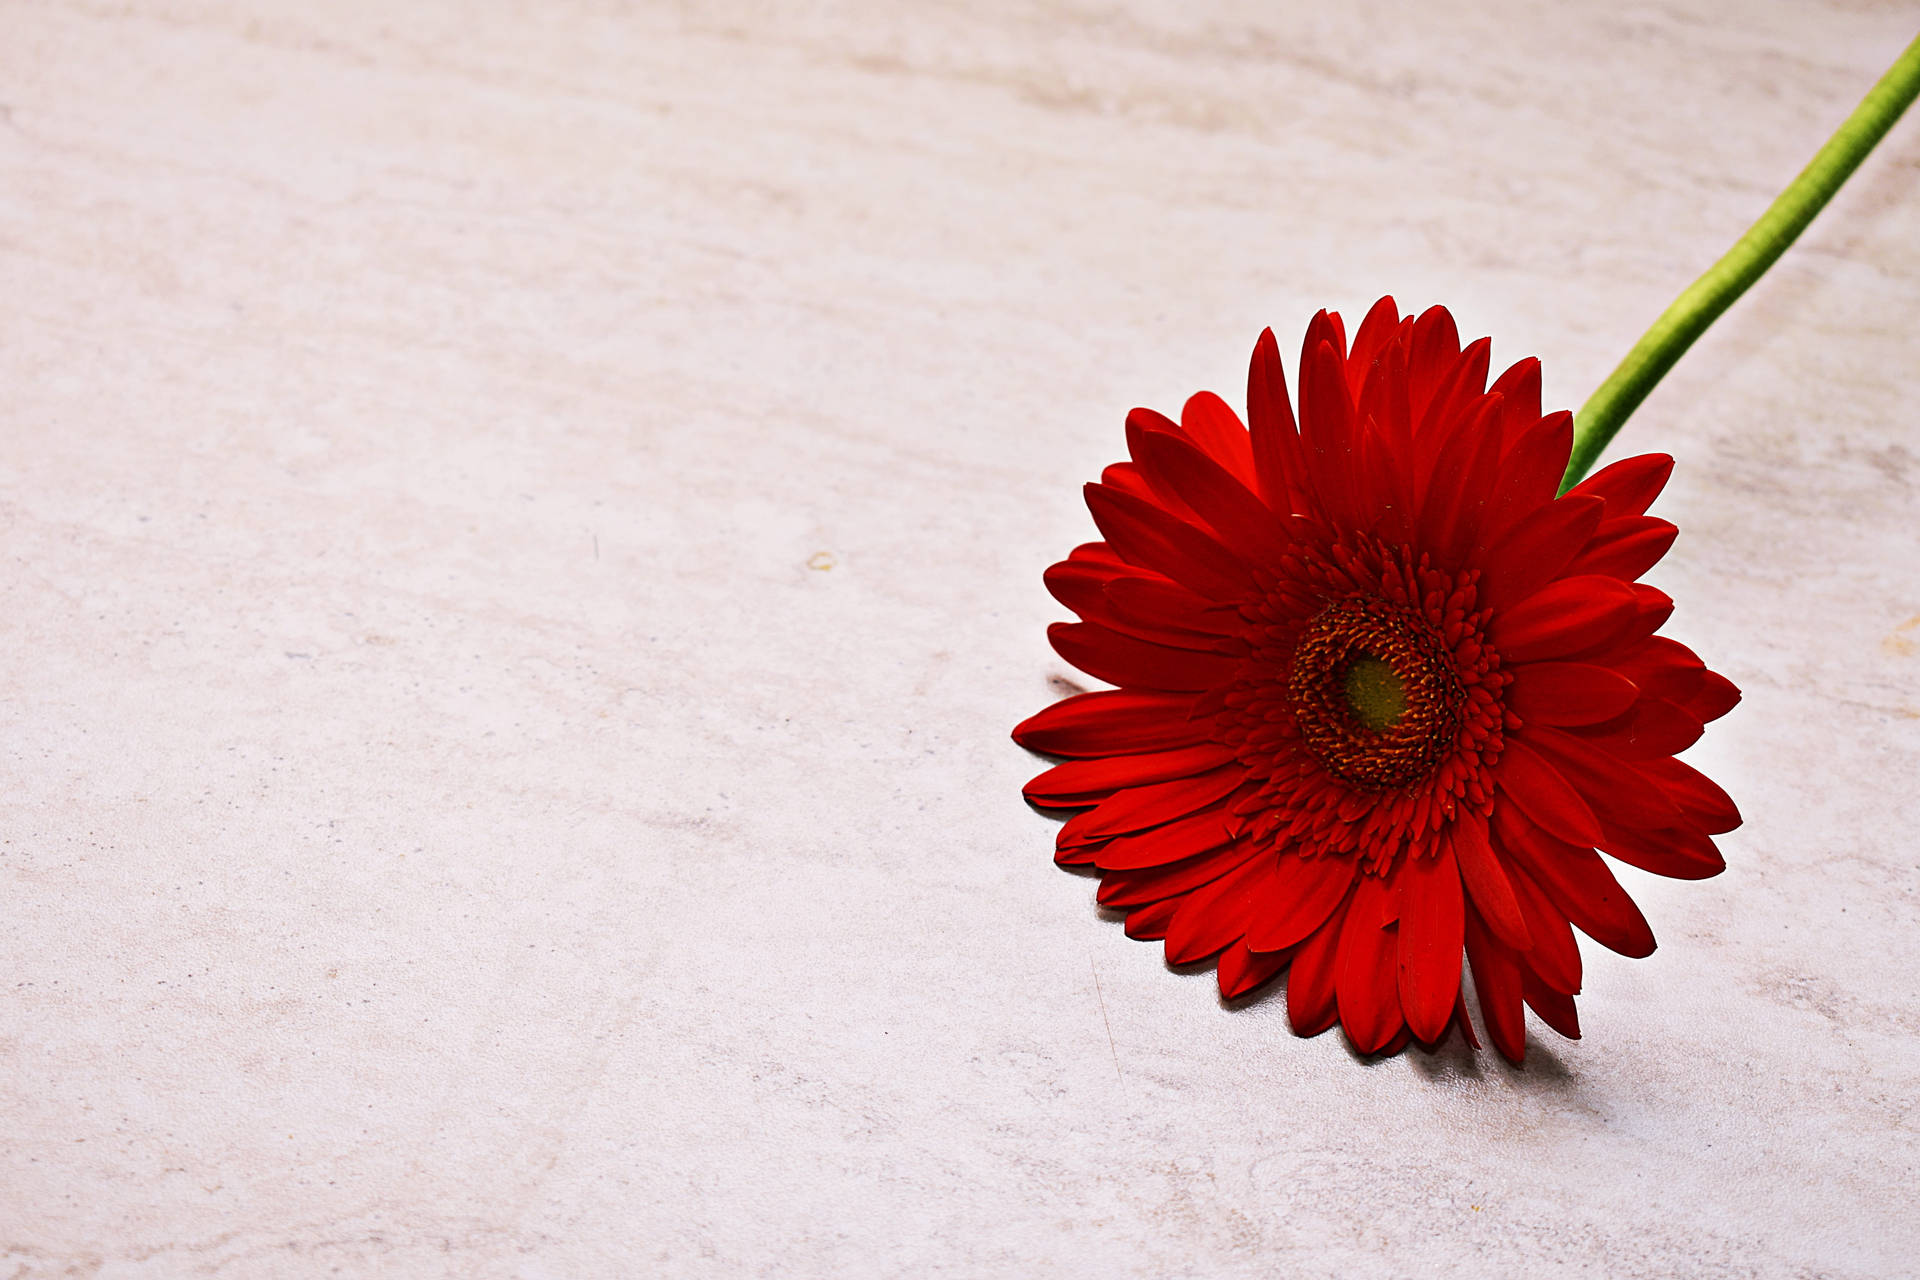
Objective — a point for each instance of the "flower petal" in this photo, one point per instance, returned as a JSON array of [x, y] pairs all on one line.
[[1432, 932], [1554, 955], [1628, 795], [1536, 550], [1112, 722], [1540, 792], [1156, 884], [1565, 618], [1519, 392], [1454, 402], [1138, 808], [1555, 1008], [1496, 980], [1311, 982], [1151, 922], [1276, 437], [1529, 474], [1170, 605], [1177, 841], [1699, 797], [1218, 433], [1242, 970], [1380, 326], [1242, 522], [1432, 353], [1456, 494], [1369, 996], [1089, 781], [1486, 881], [1653, 727], [1297, 899], [1147, 536], [1578, 882], [1211, 918], [1629, 485], [1140, 664], [1084, 587], [1625, 549], [1568, 693], [1680, 853], [1326, 436]]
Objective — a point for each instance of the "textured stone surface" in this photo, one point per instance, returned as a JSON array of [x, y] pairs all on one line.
[[523, 527]]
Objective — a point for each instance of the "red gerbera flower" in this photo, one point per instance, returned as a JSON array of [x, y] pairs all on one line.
[[1381, 695]]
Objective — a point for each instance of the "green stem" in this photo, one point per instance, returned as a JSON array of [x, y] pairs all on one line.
[[1607, 410]]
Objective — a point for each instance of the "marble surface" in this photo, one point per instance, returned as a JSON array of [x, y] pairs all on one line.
[[523, 526]]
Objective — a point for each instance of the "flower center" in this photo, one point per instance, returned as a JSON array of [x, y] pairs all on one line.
[[1375, 693]]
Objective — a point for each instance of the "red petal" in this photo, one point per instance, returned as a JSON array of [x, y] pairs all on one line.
[[1462, 1021], [1554, 955], [1369, 996], [1625, 549], [1138, 808], [1568, 693], [1571, 615], [1629, 485], [1432, 932], [1087, 781], [1554, 1008], [1496, 980], [1710, 808], [1681, 853], [1486, 881], [1140, 664], [1244, 524], [1297, 899], [1432, 354], [1537, 788], [1381, 324], [1242, 970], [1529, 475], [1578, 882], [1326, 326], [1377, 475], [1150, 923], [1668, 669], [1519, 390], [1653, 727], [1628, 795], [1276, 438], [1147, 536], [1326, 436], [1382, 397], [1085, 588], [1219, 433], [1311, 1005], [1175, 842], [1112, 722], [1168, 604], [1154, 884], [1458, 488], [1536, 550], [1454, 402], [1655, 605], [1210, 918]]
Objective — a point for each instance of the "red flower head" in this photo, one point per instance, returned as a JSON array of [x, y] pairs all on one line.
[[1381, 695]]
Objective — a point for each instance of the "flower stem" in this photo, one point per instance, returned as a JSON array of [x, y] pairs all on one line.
[[1608, 408]]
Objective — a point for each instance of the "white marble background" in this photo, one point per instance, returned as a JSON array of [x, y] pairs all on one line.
[[523, 527]]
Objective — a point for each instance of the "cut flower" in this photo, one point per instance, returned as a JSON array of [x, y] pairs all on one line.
[[1382, 698]]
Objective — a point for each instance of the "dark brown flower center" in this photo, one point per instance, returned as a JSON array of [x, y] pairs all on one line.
[[1375, 693]]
